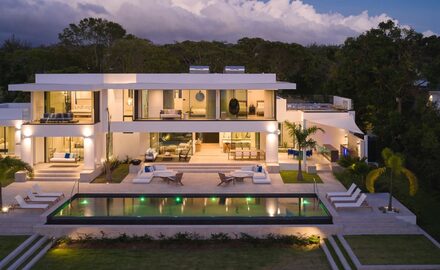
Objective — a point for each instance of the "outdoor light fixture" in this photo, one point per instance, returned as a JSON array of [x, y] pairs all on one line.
[[5, 209]]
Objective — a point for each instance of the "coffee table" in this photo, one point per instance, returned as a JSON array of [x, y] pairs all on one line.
[[167, 156], [239, 176]]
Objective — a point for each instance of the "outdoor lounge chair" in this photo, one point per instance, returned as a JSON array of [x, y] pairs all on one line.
[[31, 196], [225, 179], [177, 179], [184, 154], [352, 198], [343, 194], [39, 193], [23, 204], [356, 204]]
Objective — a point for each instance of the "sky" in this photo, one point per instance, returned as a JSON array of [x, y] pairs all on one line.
[[167, 21]]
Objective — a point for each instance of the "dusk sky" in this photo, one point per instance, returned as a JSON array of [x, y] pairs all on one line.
[[165, 21]]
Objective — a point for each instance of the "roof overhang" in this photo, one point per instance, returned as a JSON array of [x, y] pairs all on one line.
[[152, 86], [338, 120]]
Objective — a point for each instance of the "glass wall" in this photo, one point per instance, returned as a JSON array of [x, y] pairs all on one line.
[[70, 107], [247, 104], [128, 100], [177, 104], [171, 143], [202, 104], [239, 140], [64, 145], [7, 140]]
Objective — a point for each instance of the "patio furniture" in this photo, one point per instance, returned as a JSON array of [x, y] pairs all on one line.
[[258, 173], [184, 154], [39, 193], [239, 176], [260, 108], [344, 193], [144, 176], [177, 179], [167, 156], [225, 179], [151, 155], [58, 118], [170, 114], [63, 157], [31, 196], [352, 198], [357, 204], [23, 204]]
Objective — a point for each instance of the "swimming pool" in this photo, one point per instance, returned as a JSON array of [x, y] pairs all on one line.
[[191, 209]]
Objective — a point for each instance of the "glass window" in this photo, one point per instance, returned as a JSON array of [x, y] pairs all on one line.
[[73, 145], [128, 100], [70, 107], [7, 140], [171, 144]]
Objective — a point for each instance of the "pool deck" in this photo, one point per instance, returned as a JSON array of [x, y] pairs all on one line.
[[357, 221]]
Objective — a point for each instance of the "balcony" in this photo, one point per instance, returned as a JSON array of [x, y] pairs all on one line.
[[319, 103]]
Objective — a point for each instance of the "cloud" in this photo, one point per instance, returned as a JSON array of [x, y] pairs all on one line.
[[429, 33], [164, 21]]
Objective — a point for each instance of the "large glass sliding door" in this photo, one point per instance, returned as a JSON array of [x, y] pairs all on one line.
[[64, 145], [171, 143], [7, 140]]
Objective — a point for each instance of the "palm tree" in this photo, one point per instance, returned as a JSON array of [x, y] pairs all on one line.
[[301, 138], [394, 165]]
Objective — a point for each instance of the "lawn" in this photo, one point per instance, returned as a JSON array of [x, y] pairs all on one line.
[[289, 177], [218, 257], [117, 176], [394, 249], [9, 242]]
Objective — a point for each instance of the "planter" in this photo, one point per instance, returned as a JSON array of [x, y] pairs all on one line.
[[21, 176]]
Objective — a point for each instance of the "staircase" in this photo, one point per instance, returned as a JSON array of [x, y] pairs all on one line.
[[204, 167], [382, 224], [56, 174]]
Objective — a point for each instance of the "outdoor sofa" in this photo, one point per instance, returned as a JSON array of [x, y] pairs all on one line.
[[258, 173]]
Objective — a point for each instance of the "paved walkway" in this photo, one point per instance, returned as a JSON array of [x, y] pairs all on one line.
[[345, 221]]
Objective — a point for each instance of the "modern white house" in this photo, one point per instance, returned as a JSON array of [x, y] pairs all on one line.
[[188, 117]]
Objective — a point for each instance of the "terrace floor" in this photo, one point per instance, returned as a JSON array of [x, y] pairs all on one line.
[[357, 221]]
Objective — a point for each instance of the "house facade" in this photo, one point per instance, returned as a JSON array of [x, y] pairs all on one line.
[[200, 116]]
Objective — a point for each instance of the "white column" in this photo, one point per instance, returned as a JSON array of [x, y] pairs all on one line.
[[17, 141], [89, 153], [271, 147], [304, 150], [27, 154], [217, 104]]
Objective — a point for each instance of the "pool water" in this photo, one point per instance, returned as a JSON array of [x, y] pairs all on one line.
[[191, 209]]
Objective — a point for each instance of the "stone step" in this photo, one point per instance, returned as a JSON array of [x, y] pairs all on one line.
[[379, 230], [55, 178], [61, 174], [57, 170]]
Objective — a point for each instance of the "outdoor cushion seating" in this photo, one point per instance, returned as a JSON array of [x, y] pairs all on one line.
[[344, 193], [258, 173], [39, 193], [63, 157], [31, 196], [176, 179], [360, 201], [57, 118], [143, 177], [352, 198], [23, 204], [151, 154], [170, 114]]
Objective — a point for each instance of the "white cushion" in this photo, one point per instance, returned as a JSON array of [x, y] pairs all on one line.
[[160, 167], [247, 168], [259, 175]]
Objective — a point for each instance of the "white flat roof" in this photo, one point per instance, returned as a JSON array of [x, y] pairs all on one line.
[[211, 81]]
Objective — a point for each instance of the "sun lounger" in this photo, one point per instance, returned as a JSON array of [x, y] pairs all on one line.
[[34, 198], [225, 179], [39, 193], [21, 202], [349, 192], [352, 198], [356, 204]]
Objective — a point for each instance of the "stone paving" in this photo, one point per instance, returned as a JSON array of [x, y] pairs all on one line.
[[349, 221]]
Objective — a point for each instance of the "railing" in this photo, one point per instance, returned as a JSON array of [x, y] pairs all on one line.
[[71, 193]]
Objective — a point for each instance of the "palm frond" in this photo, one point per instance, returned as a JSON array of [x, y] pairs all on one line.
[[372, 177], [412, 179]]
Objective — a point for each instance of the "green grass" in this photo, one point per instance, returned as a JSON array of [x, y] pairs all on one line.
[[394, 249], [9, 243], [344, 252], [117, 176], [289, 177], [220, 257], [333, 253]]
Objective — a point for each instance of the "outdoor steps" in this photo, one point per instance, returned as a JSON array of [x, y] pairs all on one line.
[[56, 175], [373, 225]]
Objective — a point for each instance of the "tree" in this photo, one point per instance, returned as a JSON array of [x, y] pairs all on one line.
[[394, 165], [95, 33], [8, 167], [301, 138]]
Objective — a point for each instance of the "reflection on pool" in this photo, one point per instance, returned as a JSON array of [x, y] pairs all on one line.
[[192, 209]]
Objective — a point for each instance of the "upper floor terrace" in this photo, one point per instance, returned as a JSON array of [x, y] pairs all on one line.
[[319, 103]]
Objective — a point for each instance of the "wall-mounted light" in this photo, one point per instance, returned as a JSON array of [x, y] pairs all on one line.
[[27, 132], [87, 132]]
